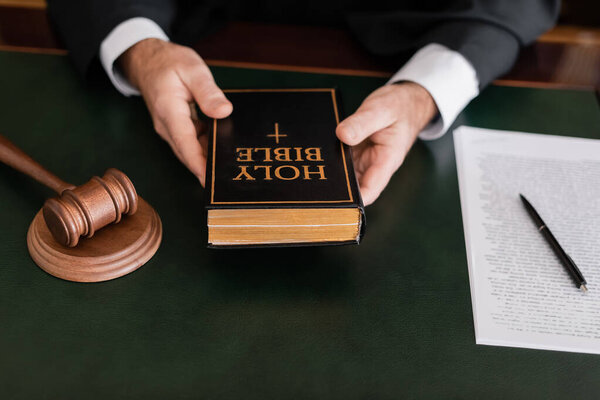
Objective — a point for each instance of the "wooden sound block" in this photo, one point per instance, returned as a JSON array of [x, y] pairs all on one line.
[[113, 251]]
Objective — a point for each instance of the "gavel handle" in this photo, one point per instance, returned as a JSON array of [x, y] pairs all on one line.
[[14, 157]]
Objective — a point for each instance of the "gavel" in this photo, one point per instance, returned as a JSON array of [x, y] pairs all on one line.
[[78, 210]]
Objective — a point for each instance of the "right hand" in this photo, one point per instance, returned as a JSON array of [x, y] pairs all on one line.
[[170, 77]]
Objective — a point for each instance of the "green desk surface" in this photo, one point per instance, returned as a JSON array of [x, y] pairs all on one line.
[[388, 319]]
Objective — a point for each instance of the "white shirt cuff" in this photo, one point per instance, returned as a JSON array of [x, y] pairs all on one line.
[[448, 77], [122, 37]]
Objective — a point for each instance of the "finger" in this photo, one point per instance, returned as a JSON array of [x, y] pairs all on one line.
[[182, 137], [203, 139], [207, 94], [374, 180], [378, 172], [358, 160], [190, 153], [373, 115]]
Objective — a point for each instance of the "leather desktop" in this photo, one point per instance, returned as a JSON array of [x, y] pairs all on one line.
[[388, 319]]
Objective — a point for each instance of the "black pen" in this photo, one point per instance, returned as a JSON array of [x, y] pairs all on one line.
[[567, 261]]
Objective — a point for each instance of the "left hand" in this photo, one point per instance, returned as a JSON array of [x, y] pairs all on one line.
[[169, 77], [382, 131]]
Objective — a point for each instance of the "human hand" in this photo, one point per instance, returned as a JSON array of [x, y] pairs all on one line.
[[382, 131], [169, 77]]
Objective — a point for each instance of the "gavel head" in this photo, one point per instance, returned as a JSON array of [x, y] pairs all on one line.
[[84, 209]]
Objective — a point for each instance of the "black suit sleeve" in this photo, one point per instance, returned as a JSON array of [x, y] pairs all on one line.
[[488, 33], [82, 25]]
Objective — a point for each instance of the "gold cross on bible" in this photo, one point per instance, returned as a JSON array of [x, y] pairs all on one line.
[[276, 135]]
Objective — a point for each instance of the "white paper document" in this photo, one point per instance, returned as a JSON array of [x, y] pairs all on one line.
[[522, 296]]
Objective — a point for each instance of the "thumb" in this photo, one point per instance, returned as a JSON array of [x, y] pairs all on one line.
[[372, 116]]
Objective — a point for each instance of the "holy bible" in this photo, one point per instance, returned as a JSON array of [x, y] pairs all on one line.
[[277, 175]]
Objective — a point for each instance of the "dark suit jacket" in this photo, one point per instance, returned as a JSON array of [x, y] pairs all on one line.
[[488, 33]]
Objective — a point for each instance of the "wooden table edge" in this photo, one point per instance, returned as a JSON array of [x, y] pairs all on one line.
[[325, 70]]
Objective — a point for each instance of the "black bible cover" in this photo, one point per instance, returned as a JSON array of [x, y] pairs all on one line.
[[278, 150]]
